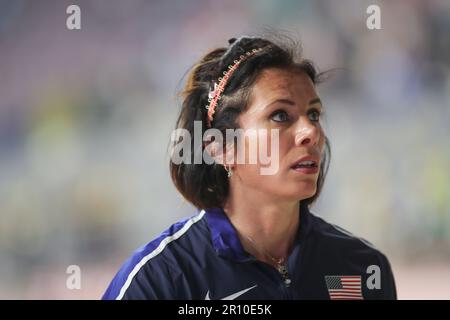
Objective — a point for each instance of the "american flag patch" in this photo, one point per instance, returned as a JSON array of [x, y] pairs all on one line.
[[344, 287]]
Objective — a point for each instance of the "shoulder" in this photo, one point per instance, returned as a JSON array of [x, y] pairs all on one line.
[[150, 271], [343, 252], [338, 239]]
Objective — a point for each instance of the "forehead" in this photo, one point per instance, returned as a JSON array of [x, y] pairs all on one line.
[[274, 83]]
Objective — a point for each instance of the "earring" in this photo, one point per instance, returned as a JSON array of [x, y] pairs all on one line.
[[229, 171]]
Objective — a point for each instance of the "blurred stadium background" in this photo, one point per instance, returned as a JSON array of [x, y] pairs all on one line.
[[86, 116]]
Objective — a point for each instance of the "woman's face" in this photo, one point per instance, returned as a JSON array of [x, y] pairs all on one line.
[[287, 101]]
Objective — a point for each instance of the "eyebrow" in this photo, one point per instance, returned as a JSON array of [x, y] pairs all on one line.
[[291, 103]]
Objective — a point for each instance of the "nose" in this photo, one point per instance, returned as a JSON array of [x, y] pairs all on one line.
[[306, 134]]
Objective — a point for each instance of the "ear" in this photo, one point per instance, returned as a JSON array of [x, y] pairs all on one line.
[[220, 154], [212, 153]]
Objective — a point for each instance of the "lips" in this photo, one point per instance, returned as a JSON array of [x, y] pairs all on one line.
[[308, 164]]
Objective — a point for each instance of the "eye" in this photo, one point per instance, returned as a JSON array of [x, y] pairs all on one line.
[[279, 116], [314, 115]]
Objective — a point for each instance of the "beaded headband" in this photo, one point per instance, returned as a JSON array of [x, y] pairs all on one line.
[[214, 95]]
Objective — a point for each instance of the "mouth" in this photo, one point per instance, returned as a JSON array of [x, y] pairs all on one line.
[[306, 165]]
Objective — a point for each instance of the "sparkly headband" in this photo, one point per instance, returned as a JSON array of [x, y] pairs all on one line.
[[214, 95]]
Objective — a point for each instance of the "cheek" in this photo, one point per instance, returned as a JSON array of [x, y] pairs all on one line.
[[282, 183], [322, 140], [263, 153], [262, 148]]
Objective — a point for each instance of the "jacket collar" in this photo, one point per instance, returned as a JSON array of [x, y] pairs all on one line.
[[226, 241]]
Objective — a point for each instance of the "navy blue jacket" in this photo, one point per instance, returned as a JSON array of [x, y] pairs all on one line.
[[202, 258]]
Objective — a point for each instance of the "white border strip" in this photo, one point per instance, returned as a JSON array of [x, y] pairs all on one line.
[[157, 251]]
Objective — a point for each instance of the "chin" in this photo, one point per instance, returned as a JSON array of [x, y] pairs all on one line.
[[305, 192], [306, 196], [297, 194]]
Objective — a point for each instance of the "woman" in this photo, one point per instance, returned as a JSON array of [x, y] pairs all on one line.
[[254, 236]]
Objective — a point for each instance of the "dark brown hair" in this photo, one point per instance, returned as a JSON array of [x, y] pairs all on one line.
[[206, 185]]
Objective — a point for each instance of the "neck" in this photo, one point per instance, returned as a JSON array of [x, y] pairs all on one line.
[[271, 224]]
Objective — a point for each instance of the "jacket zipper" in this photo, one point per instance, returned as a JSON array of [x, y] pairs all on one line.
[[282, 269]]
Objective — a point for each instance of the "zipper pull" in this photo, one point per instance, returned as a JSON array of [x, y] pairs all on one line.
[[284, 274]]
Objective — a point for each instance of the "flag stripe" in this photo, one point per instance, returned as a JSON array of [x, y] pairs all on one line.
[[345, 293], [347, 298]]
